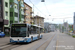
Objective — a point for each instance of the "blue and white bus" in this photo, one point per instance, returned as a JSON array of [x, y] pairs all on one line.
[[25, 33]]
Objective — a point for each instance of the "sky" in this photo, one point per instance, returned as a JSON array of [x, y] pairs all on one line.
[[60, 10]]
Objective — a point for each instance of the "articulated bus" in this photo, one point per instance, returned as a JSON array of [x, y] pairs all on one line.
[[25, 33]]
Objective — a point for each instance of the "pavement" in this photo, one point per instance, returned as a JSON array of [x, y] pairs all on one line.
[[65, 42]]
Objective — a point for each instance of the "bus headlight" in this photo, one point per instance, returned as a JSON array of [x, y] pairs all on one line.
[[25, 39]]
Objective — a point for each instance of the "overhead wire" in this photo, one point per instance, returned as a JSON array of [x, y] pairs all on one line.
[[37, 8], [46, 8], [47, 11]]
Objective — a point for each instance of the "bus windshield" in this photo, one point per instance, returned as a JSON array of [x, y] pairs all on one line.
[[18, 32]]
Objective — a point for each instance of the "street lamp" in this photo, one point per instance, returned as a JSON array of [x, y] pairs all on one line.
[[18, 10]]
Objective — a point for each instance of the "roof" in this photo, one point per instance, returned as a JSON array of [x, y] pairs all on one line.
[[27, 5], [38, 17]]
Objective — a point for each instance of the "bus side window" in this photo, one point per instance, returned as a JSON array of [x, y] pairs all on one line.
[[28, 32]]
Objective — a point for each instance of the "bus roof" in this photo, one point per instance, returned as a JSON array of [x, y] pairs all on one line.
[[28, 24]]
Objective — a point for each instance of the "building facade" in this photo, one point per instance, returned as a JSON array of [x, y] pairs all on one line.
[[39, 21], [4, 14], [14, 4], [66, 27], [9, 13], [47, 27], [28, 13]]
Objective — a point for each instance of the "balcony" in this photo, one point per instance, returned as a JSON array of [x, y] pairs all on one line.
[[11, 9], [15, 10], [25, 9], [22, 12], [16, 18], [22, 19], [32, 21], [22, 5], [31, 12]]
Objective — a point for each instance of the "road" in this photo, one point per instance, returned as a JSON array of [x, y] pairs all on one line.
[[30, 46], [4, 40], [35, 45], [50, 41]]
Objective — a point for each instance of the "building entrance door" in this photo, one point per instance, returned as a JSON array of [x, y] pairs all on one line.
[[1, 26]]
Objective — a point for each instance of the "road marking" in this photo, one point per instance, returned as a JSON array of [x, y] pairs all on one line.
[[45, 45], [56, 45], [61, 41], [57, 42]]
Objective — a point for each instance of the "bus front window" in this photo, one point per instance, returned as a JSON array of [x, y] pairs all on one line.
[[18, 32]]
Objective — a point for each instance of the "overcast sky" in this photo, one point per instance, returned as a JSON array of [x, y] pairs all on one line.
[[55, 8]]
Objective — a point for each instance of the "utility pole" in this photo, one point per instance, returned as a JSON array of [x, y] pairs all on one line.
[[39, 27], [74, 25]]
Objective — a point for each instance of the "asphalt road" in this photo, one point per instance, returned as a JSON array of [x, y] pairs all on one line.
[[41, 44], [50, 41], [36, 44], [4, 40]]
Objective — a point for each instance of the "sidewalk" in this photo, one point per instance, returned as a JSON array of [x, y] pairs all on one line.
[[65, 42]]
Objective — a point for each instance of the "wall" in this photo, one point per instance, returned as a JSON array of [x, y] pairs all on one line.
[[8, 10]]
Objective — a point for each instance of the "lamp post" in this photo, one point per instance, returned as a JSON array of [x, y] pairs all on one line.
[[18, 10]]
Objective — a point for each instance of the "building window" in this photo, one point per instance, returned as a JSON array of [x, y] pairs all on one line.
[[16, 21], [6, 13], [15, 6], [0, 1], [16, 14], [21, 9], [11, 22], [0, 8], [11, 5], [27, 8], [0, 14], [6, 4], [23, 16], [11, 14]]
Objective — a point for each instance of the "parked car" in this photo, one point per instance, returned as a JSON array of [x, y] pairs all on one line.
[[2, 34]]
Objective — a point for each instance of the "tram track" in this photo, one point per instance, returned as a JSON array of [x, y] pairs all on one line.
[[5, 44], [10, 46], [45, 44], [39, 47]]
